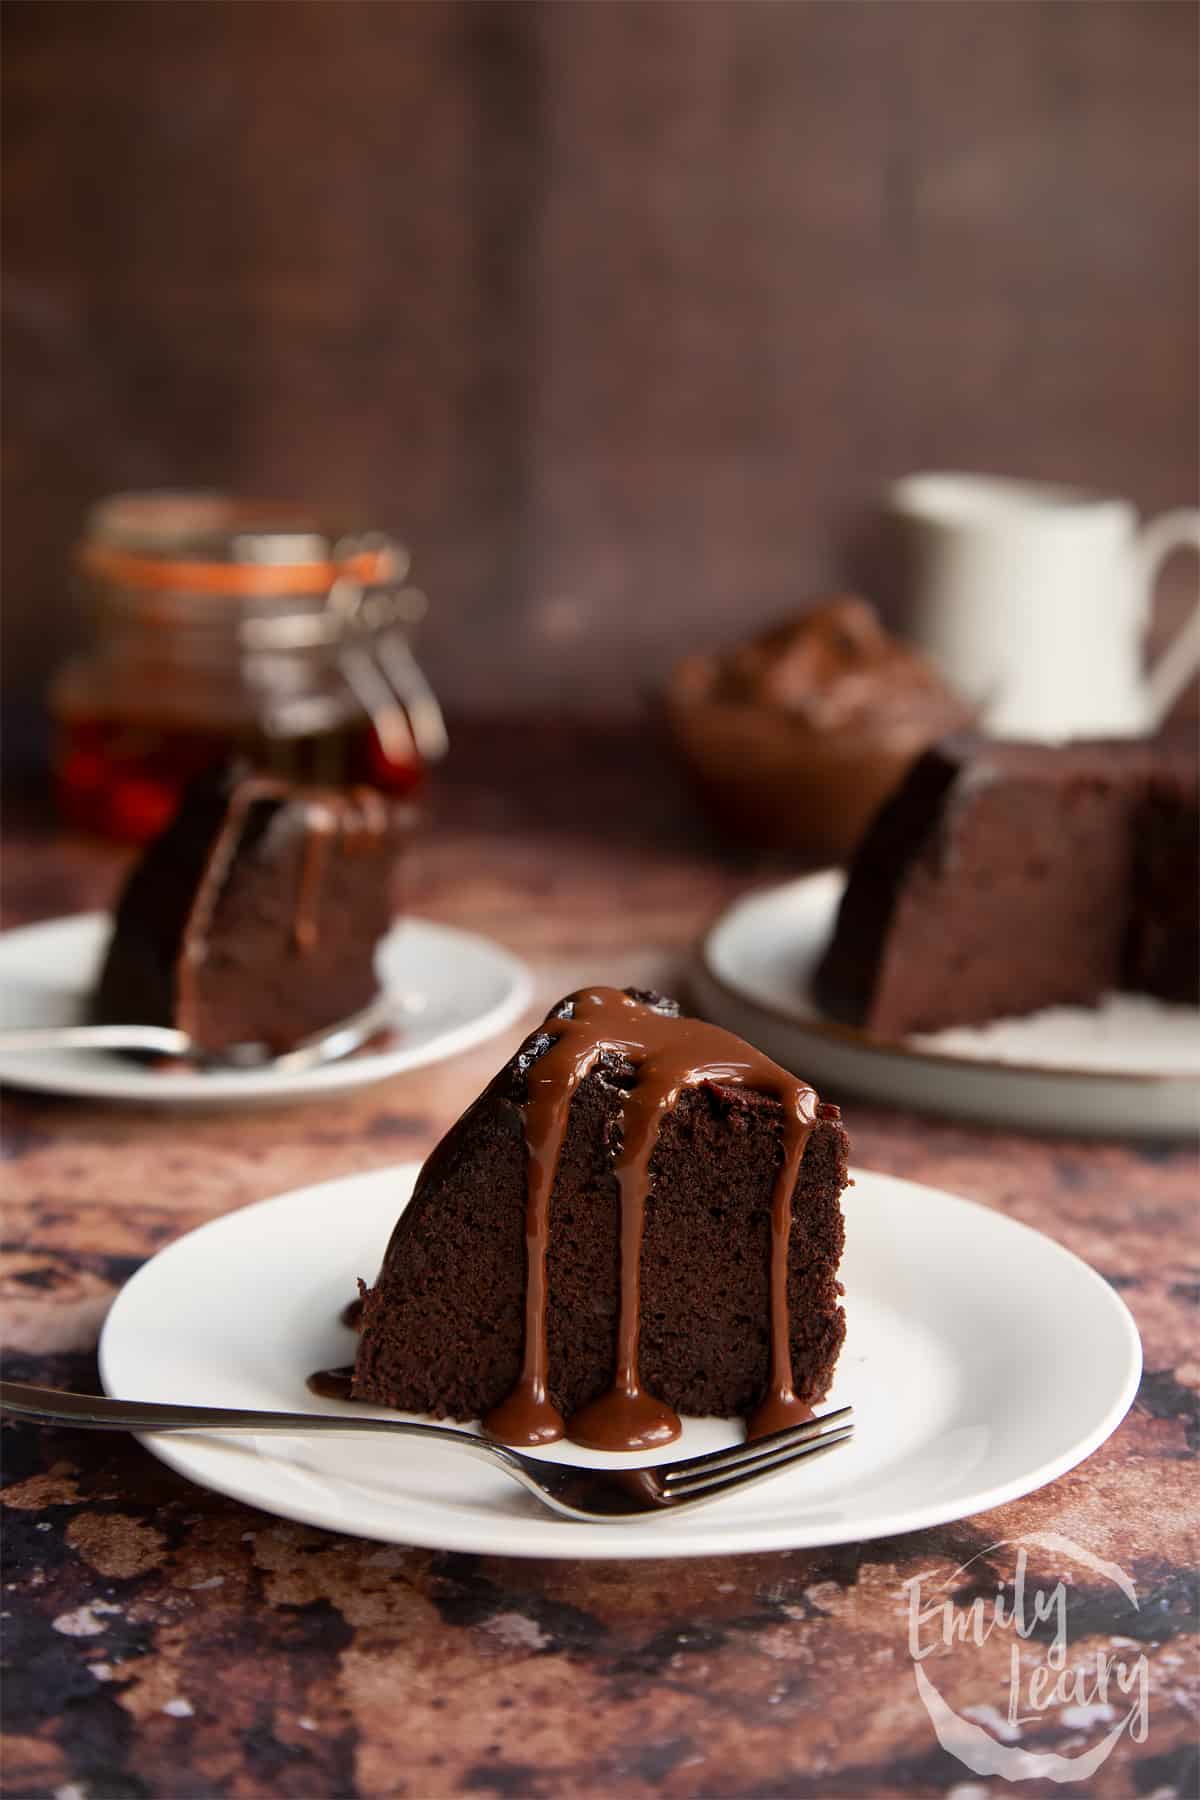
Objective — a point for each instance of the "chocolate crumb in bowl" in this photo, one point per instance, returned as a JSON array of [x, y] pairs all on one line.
[[795, 736]]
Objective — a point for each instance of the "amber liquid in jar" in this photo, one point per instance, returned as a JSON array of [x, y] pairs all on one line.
[[124, 778]]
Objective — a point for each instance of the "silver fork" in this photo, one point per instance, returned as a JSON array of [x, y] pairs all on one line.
[[576, 1493], [329, 1045]]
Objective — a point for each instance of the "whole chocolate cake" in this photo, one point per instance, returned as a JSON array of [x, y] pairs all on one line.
[[638, 1217], [1002, 878], [795, 736], [254, 917]]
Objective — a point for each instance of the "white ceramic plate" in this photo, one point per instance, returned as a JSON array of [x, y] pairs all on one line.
[[956, 1410], [1130, 1067], [453, 990]]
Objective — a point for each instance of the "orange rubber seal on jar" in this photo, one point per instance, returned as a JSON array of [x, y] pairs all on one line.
[[238, 580]]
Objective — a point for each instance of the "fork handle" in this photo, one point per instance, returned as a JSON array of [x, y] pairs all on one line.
[[159, 1039], [94, 1412]]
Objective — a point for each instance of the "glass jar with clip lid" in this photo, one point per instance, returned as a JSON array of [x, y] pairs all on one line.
[[220, 626]]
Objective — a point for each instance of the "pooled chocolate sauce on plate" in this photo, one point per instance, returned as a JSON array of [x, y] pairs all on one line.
[[331, 1384], [334, 1384]]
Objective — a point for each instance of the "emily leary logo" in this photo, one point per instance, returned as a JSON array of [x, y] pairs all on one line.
[[1042, 1682]]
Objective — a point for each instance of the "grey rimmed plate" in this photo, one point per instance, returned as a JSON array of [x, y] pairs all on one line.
[[1130, 1067]]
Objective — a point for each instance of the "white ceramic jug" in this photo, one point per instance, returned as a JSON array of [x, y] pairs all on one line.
[[1034, 601]]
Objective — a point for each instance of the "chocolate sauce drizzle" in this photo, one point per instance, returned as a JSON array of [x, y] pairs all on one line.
[[320, 827], [360, 818], [668, 1054]]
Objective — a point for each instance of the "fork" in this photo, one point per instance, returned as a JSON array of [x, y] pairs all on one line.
[[330, 1045], [565, 1488]]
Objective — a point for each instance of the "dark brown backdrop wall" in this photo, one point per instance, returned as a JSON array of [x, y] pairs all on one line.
[[623, 312]]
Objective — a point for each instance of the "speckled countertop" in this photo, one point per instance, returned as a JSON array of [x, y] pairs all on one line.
[[163, 1641]]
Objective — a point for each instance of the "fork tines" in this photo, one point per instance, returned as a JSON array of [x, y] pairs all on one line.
[[739, 1462]]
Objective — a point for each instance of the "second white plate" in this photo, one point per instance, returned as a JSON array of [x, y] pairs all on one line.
[[955, 1410], [1130, 1067], [453, 989]]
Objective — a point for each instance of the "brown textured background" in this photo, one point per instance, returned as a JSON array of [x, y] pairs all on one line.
[[623, 312]]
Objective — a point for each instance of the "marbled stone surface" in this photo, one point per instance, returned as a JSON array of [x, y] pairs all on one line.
[[164, 1641]]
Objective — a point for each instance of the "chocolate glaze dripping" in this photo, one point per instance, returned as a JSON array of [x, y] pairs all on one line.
[[527, 1415], [361, 819], [320, 827], [366, 821], [779, 1405], [627, 1417], [669, 1054]]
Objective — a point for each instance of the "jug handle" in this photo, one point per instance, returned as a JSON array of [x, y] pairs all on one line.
[[1180, 659]]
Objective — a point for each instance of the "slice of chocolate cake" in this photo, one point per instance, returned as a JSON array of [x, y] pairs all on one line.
[[638, 1217], [1161, 953], [254, 917], [1002, 878]]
